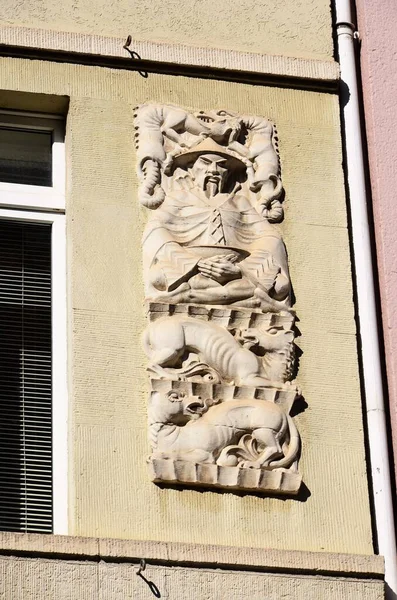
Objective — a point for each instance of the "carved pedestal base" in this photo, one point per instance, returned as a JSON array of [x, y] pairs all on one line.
[[179, 472]]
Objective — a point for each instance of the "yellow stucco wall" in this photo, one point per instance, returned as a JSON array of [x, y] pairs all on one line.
[[111, 494], [289, 27]]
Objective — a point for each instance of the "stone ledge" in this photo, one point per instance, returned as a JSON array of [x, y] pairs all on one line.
[[196, 555], [283, 66]]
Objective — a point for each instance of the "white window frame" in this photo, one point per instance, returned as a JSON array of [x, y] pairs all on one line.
[[46, 205], [37, 197]]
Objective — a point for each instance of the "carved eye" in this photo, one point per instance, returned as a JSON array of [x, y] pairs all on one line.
[[174, 396]]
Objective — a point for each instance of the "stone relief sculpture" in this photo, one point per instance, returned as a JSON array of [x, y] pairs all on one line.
[[190, 428], [168, 340], [219, 299]]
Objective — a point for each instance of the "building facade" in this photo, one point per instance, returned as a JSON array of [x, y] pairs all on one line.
[[260, 83]]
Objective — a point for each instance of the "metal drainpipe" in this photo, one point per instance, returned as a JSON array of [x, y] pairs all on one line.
[[367, 313]]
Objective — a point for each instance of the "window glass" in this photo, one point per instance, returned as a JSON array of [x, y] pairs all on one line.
[[25, 156]]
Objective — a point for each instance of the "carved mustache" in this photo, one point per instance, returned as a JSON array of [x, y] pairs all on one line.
[[214, 179]]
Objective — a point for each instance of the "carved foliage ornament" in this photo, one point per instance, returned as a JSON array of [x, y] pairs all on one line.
[[218, 293]]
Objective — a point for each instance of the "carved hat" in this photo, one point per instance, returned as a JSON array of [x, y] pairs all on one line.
[[209, 146]]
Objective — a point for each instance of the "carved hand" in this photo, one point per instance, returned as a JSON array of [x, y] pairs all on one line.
[[220, 268]]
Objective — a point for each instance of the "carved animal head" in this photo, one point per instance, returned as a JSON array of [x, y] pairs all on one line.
[[275, 346], [176, 407], [274, 340], [225, 126]]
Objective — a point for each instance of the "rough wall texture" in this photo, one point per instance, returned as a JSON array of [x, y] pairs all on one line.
[[378, 56], [67, 568], [111, 493], [291, 27], [34, 579]]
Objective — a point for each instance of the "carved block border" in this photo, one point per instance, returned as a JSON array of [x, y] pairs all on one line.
[[227, 317], [219, 391], [180, 472]]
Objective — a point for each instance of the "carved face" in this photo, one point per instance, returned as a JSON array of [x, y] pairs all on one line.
[[210, 172], [176, 407], [189, 406]]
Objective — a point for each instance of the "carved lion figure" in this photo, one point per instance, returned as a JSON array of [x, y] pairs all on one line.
[[245, 433], [168, 341]]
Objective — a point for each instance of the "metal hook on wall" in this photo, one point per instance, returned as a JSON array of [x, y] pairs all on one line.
[[134, 55], [142, 566], [152, 586]]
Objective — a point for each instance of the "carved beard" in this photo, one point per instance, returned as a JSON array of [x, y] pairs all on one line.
[[212, 188]]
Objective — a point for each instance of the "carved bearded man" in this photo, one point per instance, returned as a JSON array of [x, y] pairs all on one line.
[[207, 244]]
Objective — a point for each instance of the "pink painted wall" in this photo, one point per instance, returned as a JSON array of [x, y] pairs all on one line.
[[377, 25]]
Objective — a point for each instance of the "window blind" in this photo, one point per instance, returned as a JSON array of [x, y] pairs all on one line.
[[25, 377]]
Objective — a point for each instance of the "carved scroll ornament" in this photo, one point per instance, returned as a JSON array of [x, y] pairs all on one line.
[[219, 300]]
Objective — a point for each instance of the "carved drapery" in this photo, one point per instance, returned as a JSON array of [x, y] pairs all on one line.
[[220, 338]]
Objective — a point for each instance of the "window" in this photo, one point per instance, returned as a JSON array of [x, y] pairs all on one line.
[[33, 400]]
